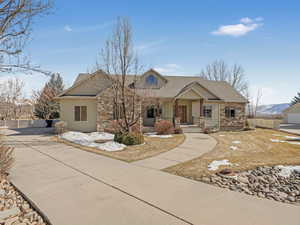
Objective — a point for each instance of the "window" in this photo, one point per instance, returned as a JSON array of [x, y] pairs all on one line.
[[151, 112], [207, 111], [230, 112], [80, 113], [151, 80]]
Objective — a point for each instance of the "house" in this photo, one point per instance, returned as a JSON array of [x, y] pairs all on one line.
[[292, 114], [185, 100]]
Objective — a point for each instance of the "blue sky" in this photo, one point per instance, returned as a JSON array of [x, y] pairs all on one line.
[[177, 37]]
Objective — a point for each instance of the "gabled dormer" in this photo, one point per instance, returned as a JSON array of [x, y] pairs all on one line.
[[151, 79]]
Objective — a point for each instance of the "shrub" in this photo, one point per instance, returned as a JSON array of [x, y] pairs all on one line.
[[132, 138], [60, 127], [119, 137], [6, 159], [178, 130], [164, 127], [207, 130]]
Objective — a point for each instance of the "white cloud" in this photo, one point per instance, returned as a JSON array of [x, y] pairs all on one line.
[[148, 47], [68, 28], [236, 30], [171, 68], [246, 20]]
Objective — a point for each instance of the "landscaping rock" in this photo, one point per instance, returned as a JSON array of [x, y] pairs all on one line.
[[263, 182], [14, 209]]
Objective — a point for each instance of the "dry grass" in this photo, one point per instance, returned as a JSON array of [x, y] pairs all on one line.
[[255, 150], [153, 146]]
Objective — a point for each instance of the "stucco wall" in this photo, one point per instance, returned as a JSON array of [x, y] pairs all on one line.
[[67, 114]]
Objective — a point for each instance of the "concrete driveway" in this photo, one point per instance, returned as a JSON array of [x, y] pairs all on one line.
[[76, 187], [291, 128]]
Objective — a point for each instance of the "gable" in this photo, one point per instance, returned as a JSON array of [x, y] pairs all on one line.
[[151, 79], [190, 94], [90, 86]]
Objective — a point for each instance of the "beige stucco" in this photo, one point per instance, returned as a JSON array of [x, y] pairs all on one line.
[[67, 114]]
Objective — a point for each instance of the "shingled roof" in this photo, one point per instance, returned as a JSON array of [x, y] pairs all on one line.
[[176, 84]]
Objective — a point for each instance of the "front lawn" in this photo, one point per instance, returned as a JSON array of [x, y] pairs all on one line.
[[153, 145], [240, 151]]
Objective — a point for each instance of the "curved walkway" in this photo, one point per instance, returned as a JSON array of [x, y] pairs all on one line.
[[194, 146], [74, 187]]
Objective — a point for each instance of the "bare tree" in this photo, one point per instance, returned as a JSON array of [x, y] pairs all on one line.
[[220, 71], [118, 61], [16, 18], [11, 95], [253, 103]]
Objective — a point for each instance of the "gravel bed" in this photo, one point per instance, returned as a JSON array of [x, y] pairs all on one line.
[[263, 182], [14, 209]]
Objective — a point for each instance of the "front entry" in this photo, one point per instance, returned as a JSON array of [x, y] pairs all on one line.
[[182, 113]]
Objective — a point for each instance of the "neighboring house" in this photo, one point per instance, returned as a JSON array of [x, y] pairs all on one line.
[[292, 114], [87, 105]]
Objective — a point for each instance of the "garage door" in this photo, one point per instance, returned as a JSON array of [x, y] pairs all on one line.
[[294, 118]]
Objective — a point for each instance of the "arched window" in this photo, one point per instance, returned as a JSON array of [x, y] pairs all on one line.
[[151, 80]]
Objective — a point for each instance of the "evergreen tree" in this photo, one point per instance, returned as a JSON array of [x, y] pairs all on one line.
[[45, 107], [296, 99]]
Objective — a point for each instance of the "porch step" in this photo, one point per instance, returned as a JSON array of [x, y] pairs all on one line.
[[191, 129]]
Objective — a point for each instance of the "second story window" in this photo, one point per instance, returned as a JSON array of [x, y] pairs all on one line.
[[151, 80]]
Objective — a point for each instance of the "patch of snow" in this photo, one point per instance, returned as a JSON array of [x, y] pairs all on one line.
[[89, 140], [277, 135], [286, 171], [277, 141], [214, 165], [110, 146], [160, 136], [233, 148], [293, 138], [293, 143], [236, 142], [222, 135]]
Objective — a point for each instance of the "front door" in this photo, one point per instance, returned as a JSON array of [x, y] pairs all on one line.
[[182, 111]]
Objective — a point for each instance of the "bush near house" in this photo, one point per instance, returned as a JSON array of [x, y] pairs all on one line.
[[132, 138], [164, 127]]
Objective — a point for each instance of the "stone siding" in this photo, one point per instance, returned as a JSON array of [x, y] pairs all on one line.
[[105, 109], [236, 123]]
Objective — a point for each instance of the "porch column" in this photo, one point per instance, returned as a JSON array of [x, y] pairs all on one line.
[[201, 107], [201, 119], [176, 114]]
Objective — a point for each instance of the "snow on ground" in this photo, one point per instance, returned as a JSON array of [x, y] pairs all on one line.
[[293, 138], [222, 135], [160, 136], [286, 171], [233, 148], [214, 165], [89, 140], [236, 142], [289, 142], [276, 141]]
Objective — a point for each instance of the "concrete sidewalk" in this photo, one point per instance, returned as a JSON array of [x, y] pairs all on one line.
[[76, 187], [194, 146]]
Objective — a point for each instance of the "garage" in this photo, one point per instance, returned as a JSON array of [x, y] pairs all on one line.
[[292, 114]]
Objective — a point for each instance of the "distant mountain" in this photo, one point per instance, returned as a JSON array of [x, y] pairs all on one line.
[[273, 109]]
